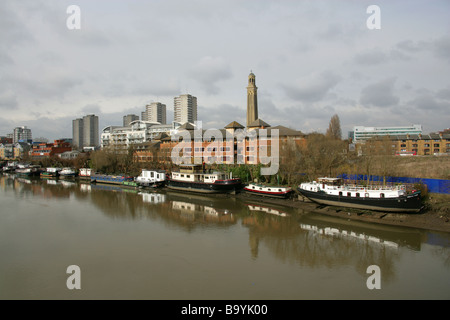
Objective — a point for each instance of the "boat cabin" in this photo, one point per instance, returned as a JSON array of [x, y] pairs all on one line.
[[196, 173], [152, 175]]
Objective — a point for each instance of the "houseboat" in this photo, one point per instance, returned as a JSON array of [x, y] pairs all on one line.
[[28, 170], [195, 179], [269, 191], [110, 179], [11, 166], [333, 192], [85, 173], [67, 173], [50, 172], [151, 178]]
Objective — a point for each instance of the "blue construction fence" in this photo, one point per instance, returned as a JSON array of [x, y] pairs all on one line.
[[433, 185]]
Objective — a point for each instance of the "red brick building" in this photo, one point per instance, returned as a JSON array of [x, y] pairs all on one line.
[[46, 150]]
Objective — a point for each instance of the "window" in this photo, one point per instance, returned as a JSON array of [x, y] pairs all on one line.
[[366, 195], [349, 194], [357, 194], [381, 195], [340, 193]]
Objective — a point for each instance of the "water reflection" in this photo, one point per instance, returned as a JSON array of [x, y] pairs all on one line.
[[290, 235]]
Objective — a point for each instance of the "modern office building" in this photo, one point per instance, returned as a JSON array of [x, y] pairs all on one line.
[[22, 134], [85, 132], [155, 112], [185, 108], [361, 133], [129, 118]]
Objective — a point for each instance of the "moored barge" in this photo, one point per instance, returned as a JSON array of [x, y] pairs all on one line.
[[268, 191], [333, 192], [195, 179], [110, 179]]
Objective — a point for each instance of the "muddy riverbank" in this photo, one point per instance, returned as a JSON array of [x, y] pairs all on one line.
[[435, 215]]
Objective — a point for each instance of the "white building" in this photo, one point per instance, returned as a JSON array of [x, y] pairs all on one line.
[[139, 131], [361, 133], [185, 108]]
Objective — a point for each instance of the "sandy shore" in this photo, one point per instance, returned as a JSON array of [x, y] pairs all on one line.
[[435, 216]]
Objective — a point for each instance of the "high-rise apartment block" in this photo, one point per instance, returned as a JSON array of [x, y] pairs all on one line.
[[155, 112], [22, 134], [85, 132], [185, 108], [129, 118]]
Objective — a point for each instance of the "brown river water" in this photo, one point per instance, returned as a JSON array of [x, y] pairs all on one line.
[[162, 245]]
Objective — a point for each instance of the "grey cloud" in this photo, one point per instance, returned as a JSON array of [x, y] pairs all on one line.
[[14, 31], [221, 115], [91, 109], [410, 46], [210, 70], [380, 94], [444, 94], [427, 102], [8, 100], [314, 89], [441, 48], [373, 57]]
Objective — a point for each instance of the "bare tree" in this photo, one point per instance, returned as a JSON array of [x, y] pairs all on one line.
[[334, 128]]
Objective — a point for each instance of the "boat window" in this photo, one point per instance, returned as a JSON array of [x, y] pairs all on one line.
[[357, 194], [269, 189], [260, 188], [151, 174], [188, 176], [349, 194], [381, 195], [253, 187], [366, 195], [182, 175], [340, 193], [279, 189]]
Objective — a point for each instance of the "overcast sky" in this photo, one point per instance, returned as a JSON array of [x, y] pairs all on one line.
[[312, 59]]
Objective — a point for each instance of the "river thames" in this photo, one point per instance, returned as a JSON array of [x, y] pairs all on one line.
[[162, 245]]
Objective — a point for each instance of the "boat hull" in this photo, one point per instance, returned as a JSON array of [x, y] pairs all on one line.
[[409, 204], [110, 179], [280, 195], [222, 186], [154, 184]]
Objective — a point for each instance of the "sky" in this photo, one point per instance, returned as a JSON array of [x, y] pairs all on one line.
[[311, 59]]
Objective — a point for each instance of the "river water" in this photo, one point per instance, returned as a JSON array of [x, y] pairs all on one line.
[[130, 244]]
